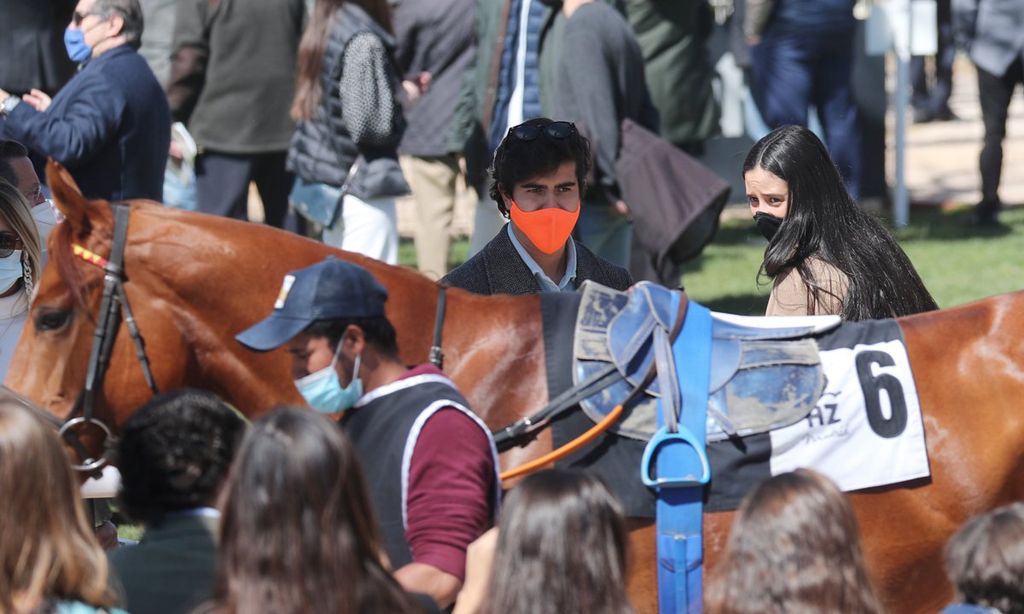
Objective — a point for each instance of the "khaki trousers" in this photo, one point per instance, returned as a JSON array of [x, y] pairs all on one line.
[[442, 196]]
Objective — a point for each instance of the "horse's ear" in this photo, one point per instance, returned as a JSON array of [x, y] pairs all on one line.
[[80, 213]]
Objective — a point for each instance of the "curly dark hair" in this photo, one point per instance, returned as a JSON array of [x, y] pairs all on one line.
[[175, 452], [985, 560], [824, 222], [516, 160]]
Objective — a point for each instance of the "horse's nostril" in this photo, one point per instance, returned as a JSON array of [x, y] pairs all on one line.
[[52, 320]]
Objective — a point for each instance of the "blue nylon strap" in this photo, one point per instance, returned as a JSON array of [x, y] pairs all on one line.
[[681, 470]]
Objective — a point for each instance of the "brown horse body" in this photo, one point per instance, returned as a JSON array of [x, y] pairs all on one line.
[[195, 281]]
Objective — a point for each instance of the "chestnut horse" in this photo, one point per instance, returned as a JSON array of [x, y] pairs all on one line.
[[194, 281]]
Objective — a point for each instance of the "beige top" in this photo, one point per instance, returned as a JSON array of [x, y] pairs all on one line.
[[790, 297]]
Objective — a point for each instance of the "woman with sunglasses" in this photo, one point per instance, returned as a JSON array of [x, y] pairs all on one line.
[[20, 267], [345, 149], [538, 179]]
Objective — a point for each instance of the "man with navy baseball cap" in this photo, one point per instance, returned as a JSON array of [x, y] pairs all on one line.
[[431, 461]]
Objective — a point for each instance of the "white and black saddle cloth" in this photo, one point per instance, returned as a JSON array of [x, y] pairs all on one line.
[[785, 393]]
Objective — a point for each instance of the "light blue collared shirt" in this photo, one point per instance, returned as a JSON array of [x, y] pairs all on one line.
[[567, 284]]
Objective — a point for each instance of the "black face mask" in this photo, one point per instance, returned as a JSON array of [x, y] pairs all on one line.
[[552, 4], [767, 224]]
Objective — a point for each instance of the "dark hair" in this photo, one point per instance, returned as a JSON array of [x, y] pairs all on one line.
[[378, 332], [314, 44], [824, 222], [793, 547], [10, 150], [516, 160], [297, 533], [47, 547], [562, 547], [985, 560], [175, 452], [130, 11]]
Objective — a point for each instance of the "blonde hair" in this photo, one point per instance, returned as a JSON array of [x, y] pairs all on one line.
[[47, 547], [18, 214]]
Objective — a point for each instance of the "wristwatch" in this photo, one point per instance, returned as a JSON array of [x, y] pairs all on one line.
[[8, 104]]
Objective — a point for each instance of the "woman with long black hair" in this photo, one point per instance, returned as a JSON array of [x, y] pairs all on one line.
[[825, 255]]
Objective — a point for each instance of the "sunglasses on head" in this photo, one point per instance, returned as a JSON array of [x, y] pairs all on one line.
[[554, 130], [8, 243]]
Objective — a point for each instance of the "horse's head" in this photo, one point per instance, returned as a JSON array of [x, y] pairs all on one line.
[[53, 352]]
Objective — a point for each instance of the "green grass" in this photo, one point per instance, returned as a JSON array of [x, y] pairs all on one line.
[[958, 262]]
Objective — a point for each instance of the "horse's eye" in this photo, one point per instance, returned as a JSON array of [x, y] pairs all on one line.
[[52, 320]]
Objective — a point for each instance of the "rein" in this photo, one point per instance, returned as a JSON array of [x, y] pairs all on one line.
[[112, 305], [591, 386]]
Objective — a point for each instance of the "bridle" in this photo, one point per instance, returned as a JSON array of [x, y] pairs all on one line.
[[113, 304]]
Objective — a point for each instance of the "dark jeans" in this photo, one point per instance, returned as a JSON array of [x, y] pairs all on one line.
[[937, 99], [795, 70], [995, 93], [222, 184]]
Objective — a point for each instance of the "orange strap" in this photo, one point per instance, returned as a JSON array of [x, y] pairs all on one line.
[[567, 449]]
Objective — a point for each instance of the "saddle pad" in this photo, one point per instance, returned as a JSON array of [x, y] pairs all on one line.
[[740, 463], [764, 375], [866, 429]]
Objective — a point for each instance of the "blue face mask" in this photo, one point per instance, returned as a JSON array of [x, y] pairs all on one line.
[[323, 391], [11, 271], [74, 41]]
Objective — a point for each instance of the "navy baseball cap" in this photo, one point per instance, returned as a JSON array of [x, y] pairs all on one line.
[[328, 290]]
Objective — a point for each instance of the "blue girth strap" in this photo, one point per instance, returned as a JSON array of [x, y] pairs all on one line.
[[678, 456]]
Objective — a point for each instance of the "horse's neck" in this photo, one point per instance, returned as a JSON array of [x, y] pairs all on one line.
[[494, 351]]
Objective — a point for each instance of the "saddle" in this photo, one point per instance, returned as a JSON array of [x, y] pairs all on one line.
[[765, 372]]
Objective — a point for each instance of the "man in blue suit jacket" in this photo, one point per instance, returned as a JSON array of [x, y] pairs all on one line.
[[110, 125]]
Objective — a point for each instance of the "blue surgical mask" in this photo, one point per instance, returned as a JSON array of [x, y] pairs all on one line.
[[323, 391], [10, 270], [74, 41]]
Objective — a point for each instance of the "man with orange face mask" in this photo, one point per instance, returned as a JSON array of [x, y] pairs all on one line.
[[538, 176]]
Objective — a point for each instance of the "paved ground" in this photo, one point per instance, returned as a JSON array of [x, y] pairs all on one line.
[[942, 158]]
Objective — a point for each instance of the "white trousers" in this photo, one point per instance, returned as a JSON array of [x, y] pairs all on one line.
[[366, 227]]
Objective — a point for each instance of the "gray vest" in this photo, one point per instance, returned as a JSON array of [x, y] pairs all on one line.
[[322, 150]]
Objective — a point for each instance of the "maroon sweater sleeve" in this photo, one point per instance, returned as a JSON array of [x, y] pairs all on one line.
[[451, 491]]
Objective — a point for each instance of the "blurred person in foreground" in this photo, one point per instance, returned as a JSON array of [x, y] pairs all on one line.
[[298, 533], [50, 561], [174, 453], [794, 546], [985, 563], [108, 124], [561, 546]]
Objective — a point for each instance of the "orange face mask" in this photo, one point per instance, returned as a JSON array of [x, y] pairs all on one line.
[[548, 229]]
